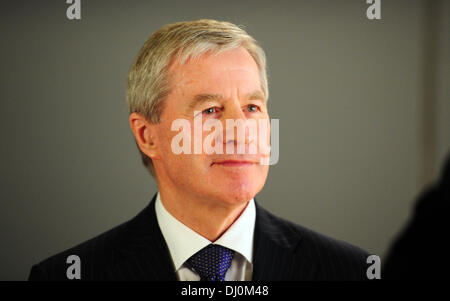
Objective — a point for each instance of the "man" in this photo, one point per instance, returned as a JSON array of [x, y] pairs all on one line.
[[416, 252], [204, 223]]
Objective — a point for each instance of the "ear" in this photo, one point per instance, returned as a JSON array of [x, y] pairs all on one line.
[[145, 134]]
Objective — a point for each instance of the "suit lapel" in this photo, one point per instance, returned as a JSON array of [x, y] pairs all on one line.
[[144, 255], [274, 247]]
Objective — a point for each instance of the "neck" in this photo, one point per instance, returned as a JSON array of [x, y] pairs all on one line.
[[209, 218]]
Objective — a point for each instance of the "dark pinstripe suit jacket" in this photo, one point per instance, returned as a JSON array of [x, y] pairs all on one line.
[[136, 250]]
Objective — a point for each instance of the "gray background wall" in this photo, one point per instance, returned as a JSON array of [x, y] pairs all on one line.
[[363, 108]]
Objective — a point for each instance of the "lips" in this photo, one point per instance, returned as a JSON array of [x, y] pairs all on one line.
[[234, 163]]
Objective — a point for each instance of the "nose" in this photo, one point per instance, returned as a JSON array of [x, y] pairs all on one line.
[[233, 110], [239, 131]]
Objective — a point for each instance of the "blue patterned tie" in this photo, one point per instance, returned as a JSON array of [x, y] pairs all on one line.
[[211, 262]]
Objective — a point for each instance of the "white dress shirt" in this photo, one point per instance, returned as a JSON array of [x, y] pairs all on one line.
[[184, 242]]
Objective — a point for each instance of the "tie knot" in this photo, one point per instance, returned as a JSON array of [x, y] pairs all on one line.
[[211, 262]]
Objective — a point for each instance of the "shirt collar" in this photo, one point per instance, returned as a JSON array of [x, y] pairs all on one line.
[[183, 242]]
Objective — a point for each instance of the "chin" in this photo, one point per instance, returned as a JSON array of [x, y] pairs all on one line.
[[236, 192], [237, 185]]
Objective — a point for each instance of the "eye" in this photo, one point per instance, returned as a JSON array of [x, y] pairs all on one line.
[[252, 108], [210, 111]]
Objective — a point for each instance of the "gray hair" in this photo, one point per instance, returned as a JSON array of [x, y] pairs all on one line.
[[148, 82]]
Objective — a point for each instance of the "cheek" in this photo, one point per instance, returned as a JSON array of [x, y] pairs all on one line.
[[180, 162], [165, 136]]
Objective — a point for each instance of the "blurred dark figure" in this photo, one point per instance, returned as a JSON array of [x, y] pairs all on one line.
[[421, 251]]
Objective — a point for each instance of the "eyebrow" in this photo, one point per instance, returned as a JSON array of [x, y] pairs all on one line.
[[202, 98]]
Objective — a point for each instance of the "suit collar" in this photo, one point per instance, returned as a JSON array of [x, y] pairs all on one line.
[[145, 251], [275, 241], [144, 254]]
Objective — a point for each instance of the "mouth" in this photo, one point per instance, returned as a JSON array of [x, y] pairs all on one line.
[[234, 163]]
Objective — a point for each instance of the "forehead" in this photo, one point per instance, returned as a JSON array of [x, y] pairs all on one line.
[[212, 73]]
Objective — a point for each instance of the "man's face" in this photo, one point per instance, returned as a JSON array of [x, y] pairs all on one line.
[[227, 178]]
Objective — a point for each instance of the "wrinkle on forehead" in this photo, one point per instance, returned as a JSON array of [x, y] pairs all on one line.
[[235, 60], [223, 73]]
